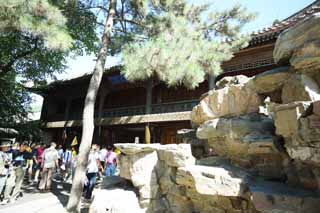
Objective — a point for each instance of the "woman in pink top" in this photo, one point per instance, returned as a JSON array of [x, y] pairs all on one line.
[[111, 162]]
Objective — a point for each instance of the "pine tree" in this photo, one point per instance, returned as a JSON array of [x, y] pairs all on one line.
[[160, 27], [187, 43]]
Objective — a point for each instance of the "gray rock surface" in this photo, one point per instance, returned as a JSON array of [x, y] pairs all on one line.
[[300, 45]]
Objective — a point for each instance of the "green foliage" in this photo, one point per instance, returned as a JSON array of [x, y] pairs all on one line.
[[185, 42], [37, 17], [29, 131], [14, 102], [36, 37]]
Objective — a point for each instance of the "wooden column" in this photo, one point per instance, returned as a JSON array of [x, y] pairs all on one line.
[[159, 95], [211, 81], [148, 96], [104, 93], [147, 134], [66, 118]]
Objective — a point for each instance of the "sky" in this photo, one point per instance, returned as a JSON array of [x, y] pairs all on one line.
[[267, 11]]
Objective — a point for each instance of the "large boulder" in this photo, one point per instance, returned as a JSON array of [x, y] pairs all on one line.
[[270, 81], [300, 88], [272, 197], [215, 189], [132, 148], [286, 117], [300, 127], [231, 80], [141, 168], [300, 45], [239, 137], [199, 147], [236, 127], [249, 141], [212, 180], [111, 200], [176, 155], [316, 108], [233, 100], [151, 168]]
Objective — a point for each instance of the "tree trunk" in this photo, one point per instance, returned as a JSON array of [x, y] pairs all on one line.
[[88, 115], [211, 80]]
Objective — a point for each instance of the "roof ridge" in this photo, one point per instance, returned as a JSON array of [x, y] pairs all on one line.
[[305, 9], [269, 33]]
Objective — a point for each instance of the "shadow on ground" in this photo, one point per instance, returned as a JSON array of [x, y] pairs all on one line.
[[62, 191]]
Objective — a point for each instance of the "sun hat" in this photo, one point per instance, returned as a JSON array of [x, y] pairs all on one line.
[[5, 144]]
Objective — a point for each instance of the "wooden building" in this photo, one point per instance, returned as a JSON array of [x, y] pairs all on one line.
[[125, 111]]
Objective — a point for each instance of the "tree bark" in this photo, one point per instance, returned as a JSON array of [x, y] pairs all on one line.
[[88, 114], [211, 81]]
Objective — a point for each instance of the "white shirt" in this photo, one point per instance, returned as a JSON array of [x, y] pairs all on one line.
[[92, 162], [50, 156], [102, 154], [3, 159]]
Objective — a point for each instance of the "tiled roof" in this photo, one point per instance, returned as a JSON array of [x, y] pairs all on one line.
[[271, 33]]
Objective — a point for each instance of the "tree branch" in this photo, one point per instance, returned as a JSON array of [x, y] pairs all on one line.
[[5, 68]]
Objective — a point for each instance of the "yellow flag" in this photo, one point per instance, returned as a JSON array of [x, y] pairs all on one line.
[[74, 141]]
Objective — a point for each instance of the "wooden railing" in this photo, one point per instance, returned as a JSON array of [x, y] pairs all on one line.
[[179, 106]]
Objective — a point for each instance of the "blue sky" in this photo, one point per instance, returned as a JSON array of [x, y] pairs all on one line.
[[267, 11]]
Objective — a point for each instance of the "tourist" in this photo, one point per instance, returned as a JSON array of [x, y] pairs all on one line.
[[5, 162], [74, 160], [38, 155], [29, 161], [49, 164], [92, 172], [15, 179], [74, 151], [67, 163], [111, 161], [102, 158], [60, 153]]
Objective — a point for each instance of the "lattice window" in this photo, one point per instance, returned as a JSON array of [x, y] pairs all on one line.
[[250, 65]]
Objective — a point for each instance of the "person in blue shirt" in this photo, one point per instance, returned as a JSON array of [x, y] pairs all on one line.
[[66, 162]]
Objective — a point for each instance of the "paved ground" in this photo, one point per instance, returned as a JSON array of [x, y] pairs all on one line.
[[35, 202]]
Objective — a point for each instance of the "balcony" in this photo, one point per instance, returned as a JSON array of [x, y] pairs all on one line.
[[180, 106]]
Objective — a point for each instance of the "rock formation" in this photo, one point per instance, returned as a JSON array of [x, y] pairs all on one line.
[[265, 135]]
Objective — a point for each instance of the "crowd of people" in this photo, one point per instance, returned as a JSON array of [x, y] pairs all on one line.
[[101, 162], [38, 163]]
